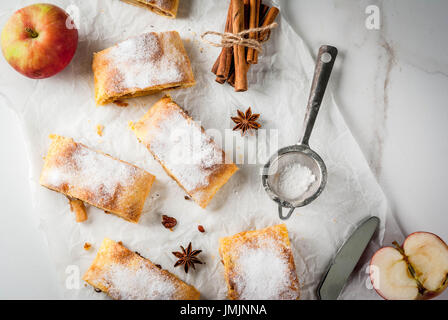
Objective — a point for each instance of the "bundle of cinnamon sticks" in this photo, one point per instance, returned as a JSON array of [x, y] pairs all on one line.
[[234, 62]]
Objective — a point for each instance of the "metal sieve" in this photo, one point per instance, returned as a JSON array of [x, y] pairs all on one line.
[[302, 153]]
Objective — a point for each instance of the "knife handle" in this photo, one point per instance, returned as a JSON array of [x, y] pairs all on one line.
[[324, 66]]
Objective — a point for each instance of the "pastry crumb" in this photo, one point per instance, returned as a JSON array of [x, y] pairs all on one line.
[[121, 103], [87, 246], [99, 129]]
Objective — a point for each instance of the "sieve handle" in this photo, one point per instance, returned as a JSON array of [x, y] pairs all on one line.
[[280, 213], [324, 66]]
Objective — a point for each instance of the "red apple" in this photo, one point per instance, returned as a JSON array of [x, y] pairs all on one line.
[[39, 40], [417, 270]]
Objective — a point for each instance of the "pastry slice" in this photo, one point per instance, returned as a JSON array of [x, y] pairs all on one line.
[[95, 178], [184, 150], [259, 265], [140, 66], [167, 8], [125, 275]]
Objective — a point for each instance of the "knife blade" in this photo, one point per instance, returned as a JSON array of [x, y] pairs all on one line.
[[346, 259]]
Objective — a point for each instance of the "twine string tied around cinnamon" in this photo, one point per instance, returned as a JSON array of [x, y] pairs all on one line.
[[238, 39]]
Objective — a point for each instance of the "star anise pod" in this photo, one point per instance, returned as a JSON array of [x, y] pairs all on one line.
[[187, 258], [246, 121]]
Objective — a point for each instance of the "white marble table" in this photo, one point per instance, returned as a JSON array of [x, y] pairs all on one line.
[[391, 84]]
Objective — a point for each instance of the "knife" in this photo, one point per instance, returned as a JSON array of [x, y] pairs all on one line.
[[346, 259]]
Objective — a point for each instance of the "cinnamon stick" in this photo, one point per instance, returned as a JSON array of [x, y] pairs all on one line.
[[231, 72], [231, 79], [263, 10], [220, 80], [239, 51], [270, 18], [246, 14], [78, 207], [226, 56], [254, 16], [216, 65], [246, 25]]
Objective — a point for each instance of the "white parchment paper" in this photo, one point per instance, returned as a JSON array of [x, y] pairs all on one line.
[[279, 88]]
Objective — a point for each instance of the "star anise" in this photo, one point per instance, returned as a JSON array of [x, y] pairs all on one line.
[[246, 121], [187, 258]]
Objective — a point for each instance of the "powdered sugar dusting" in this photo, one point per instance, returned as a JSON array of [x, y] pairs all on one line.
[[294, 180], [264, 273], [143, 62], [185, 150], [84, 168], [138, 283]]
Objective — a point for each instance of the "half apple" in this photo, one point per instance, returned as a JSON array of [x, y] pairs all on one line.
[[417, 270]]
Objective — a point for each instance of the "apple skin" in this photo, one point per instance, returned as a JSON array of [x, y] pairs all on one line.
[[38, 42], [428, 294]]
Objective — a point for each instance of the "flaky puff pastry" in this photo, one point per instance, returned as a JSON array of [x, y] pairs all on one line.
[[96, 178], [142, 65], [259, 265], [185, 151], [167, 8], [125, 275]]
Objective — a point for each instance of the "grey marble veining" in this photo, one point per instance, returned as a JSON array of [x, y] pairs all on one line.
[[391, 85]]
